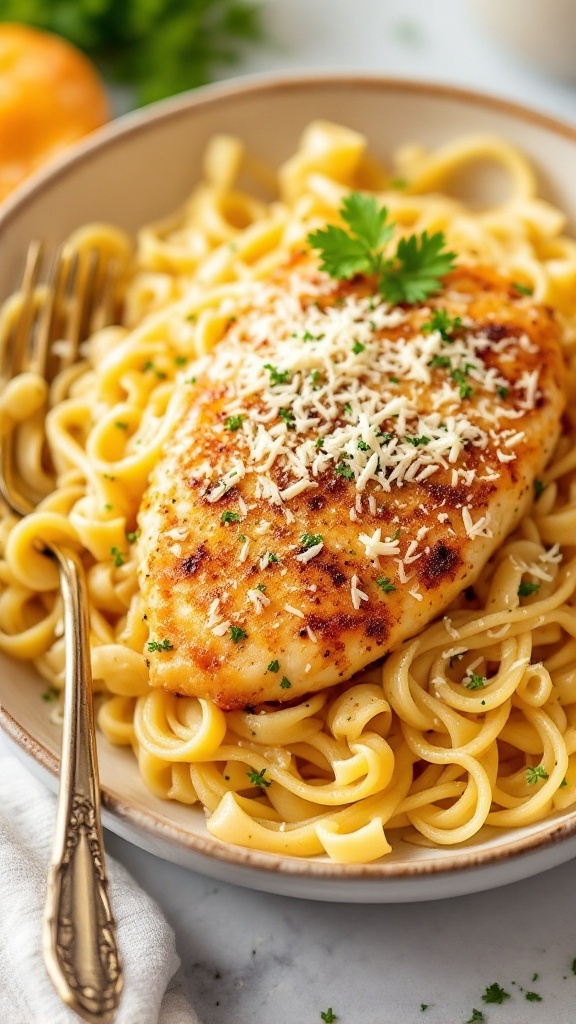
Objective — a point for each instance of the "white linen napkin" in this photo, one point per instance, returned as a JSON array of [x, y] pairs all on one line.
[[27, 813]]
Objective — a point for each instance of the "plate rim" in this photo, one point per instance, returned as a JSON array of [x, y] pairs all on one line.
[[220, 92], [147, 821]]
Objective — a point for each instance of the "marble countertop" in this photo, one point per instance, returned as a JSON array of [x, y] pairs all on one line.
[[255, 958]]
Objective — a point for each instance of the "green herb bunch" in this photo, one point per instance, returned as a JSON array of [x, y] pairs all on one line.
[[160, 47], [412, 273]]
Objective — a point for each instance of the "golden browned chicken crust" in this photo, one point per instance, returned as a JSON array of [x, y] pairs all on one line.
[[340, 472]]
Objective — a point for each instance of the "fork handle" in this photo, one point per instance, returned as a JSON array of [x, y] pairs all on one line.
[[80, 946]]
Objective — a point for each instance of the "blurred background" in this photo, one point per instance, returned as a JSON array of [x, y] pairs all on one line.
[[67, 66]]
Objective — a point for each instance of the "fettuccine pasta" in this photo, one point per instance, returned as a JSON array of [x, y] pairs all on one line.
[[472, 723]]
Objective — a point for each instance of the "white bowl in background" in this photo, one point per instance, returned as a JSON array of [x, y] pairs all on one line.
[[142, 167]]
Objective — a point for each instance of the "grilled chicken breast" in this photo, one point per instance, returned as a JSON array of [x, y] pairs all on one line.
[[341, 470]]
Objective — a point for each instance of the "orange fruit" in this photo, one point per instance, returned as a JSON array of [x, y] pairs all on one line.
[[50, 95]]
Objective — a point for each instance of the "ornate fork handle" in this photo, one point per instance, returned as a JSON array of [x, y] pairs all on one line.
[[80, 933]]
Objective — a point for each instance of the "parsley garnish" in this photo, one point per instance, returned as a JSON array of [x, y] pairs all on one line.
[[257, 778], [503, 392], [574, 966], [440, 362], [363, 446], [159, 645], [525, 589], [285, 683], [117, 556], [273, 666], [459, 377], [495, 994], [233, 423], [412, 274], [539, 488], [50, 694], [424, 1006], [475, 682], [417, 440], [533, 997], [319, 442], [309, 540], [344, 470], [121, 425], [288, 416], [476, 1018], [180, 360], [272, 558], [535, 773], [277, 376], [396, 533], [385, 584], [132, 536], [229, 517], [523, 289], [261, 586], [237, 634], [328, 1016], [444, 323], [358, 347]]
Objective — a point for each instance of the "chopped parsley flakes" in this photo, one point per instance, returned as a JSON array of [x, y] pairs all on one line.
[[117, 557], [444, 323], [234, 422], [288, 417], [274, 666], [277, 376], [159, 645], [50, 694], [229, 517], [237, 634], [310, 540], [257, 778], [495, 994], [385, 584], [525, 589], [344, 470], [285, 683], [533, 773], [522, 289], [475, 682], [328, 1016]]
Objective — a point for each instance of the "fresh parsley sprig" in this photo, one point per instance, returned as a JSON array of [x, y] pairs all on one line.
[[410, 275]]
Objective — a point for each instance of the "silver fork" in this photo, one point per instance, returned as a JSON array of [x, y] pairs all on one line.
[[80, 946]]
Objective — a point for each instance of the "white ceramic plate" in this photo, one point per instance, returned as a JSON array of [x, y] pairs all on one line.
[[140, 168]]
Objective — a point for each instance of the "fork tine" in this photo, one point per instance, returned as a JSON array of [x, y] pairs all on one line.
[[44, 334], [105, 302], [24, 327]]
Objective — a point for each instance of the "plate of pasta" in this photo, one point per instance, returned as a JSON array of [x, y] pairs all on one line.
[[322, 475]]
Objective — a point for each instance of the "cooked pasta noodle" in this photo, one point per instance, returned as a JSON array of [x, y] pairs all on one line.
[[470, 724]]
